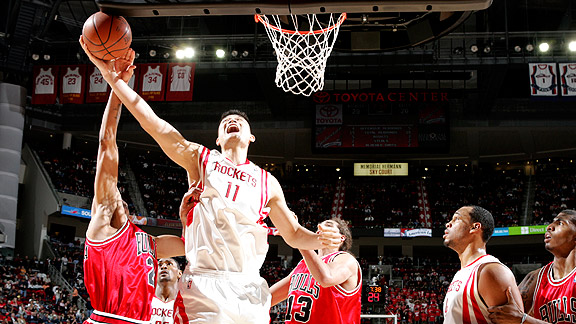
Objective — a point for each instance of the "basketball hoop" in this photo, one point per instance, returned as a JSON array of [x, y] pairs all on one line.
[[301, 54]]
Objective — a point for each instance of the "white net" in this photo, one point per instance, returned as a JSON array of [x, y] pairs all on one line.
[[302, 53]]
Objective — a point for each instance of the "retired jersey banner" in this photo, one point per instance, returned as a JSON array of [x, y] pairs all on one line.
[[97, 89], [45, 88], [72, 84], [380, 169], [152, 81], [568, 79], [543, 79], [180, 82]]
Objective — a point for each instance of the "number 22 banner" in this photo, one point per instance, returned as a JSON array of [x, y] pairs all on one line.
[[152, 81]]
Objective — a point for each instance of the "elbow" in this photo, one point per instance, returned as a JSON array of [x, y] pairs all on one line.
[[324, 281]]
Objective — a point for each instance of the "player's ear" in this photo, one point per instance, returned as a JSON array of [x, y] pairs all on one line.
[[252, 138], [218, 141]]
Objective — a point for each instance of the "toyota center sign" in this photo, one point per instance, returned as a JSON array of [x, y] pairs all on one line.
[[329, 114]]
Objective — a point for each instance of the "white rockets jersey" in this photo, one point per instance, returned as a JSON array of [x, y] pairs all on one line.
[[152, 80], [181, 76], [72, 81], [543, 79], [97, 82], [162, 312], [462, 303], [225, 230], [44, 82]]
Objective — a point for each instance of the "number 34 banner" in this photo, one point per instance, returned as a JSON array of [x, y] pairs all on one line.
[[153, 81]]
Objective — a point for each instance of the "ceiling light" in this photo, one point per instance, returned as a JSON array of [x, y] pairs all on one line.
[[137, 55], [220, 53], [245, 54], [487, 49], [234, 53], [189, 52], [166, 55], [572, 46], [474, 48], [35, 57], [529, 47], [517, 49], [46, 57], [544, 47], [152, 53], [458, 50], [180, 54]]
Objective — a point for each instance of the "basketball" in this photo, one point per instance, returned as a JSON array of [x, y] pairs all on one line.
[[107, 37]]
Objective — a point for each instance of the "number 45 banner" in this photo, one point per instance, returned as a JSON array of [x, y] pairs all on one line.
[[153, 81]]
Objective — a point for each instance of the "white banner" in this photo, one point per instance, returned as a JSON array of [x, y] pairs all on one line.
[[543, 79], [391, 232], [380, 169], [409, 232]]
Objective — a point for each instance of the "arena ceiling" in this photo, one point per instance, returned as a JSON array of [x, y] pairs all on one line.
[[494, 77]]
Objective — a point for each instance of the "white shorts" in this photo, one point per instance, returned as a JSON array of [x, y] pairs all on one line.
[[224, 297]]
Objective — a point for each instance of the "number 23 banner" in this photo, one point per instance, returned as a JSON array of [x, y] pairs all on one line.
[[72, 85], [152, 81]]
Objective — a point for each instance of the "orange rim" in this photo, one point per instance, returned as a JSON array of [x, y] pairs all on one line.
[[258, 18]]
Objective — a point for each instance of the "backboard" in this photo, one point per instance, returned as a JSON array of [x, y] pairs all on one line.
[[151, 8]]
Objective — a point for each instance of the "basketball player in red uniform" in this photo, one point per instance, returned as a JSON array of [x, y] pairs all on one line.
[[548, 293], [324, 287], [225, 233], [119, 258], [482, 280]]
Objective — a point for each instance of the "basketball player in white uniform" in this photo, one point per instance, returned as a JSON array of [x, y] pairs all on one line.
[[226, 237], [482, 280], [166, 292], [44, 82]]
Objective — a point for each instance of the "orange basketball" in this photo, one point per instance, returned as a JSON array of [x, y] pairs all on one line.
[[107, 37]]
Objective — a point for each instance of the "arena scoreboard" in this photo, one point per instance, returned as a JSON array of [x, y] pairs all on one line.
[[374, 294], [390, 121]]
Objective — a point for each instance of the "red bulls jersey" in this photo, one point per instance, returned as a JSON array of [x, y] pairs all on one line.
[[555, 300], [120, 276], [309, 303]]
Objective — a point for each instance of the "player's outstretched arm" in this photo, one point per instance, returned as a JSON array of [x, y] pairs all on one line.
[[168, 246], [181, 151], [293, 233], [343, 268], [106, 195], [280, 290]]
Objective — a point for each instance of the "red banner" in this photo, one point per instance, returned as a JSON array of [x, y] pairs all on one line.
[[152, 81], [71, 84], [169, 223], [180, 82], [45, 86], [97, 88]]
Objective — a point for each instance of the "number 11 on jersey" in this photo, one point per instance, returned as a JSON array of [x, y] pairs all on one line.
[[235, 191]]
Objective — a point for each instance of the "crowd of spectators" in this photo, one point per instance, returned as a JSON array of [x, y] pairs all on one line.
[[29, 296], [386, 202]]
